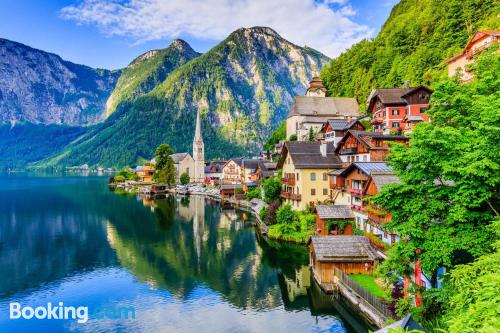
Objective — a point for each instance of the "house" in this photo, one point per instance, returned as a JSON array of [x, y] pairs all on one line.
[[265, 169], [248, 173], [183, 163], [311, 111], [232, 171], [214, 173], [277, 148], [334, 220], [349, 254], [458, 64], [305, 167], [362, 146], [363, 180], [231, 191], [335, 129], [398, 109], [145, 172]]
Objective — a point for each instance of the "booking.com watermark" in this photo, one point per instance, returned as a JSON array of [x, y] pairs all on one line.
[[60, 311]]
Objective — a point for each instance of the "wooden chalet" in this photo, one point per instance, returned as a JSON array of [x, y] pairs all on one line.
[[350, 254], [362, 146], [333, 130], [398, 109], [334, 220]]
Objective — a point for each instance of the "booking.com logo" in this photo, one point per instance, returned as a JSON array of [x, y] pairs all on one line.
[[62, 312]]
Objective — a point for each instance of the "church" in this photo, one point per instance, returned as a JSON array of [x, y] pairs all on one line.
[[193, 165]]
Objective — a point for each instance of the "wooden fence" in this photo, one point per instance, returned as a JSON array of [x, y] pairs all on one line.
[[378, 304]]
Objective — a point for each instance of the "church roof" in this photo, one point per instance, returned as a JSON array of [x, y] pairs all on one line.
[[178, 157], [324, 106]]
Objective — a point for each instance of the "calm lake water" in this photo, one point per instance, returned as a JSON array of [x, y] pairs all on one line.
[[181, 264]]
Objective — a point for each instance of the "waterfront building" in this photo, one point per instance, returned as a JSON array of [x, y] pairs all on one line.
[[349, 254], [183, 163], [362, 146], [265, 169], [398, 109], [459, 63], [145, 172], [311, 111], [214, 173], [232, 171], [363, 180], [305, 167]]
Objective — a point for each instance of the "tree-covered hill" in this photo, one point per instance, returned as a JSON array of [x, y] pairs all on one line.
[[242, 87], [412, 45]]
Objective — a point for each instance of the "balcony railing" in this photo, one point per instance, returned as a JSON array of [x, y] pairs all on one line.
[[291, 196], [288, 181], [378, 215], [356, 191], [344, 151]]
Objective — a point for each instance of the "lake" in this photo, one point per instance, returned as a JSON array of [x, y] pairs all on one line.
[[180, 264]]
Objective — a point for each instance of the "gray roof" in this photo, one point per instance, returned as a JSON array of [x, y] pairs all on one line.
[[390, 95], [336, 172], [230, 186], [365, 137], [373, 167], [343, 248], [307, 155], [383, 179], [179, 157], [324, 106], [250, 163], [414, 118], [334, 212], [341, 124]]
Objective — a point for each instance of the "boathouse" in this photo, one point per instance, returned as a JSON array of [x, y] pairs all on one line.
[[334, 220], [350, 254]]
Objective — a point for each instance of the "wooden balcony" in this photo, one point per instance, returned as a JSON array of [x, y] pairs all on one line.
[[288, 181], [378, 215], [291, 196]]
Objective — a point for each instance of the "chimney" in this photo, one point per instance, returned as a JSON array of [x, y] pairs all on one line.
[[322, 148], [407, 84]]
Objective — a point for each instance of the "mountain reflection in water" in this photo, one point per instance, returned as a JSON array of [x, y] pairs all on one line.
[[183, 263]]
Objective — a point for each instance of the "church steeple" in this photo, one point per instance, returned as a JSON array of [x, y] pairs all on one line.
[[198, 152]]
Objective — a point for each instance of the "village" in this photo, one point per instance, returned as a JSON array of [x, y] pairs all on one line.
[[322, 176]]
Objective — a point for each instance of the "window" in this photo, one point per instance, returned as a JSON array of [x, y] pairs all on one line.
[[313, 191], [395, 112], [424, 110], [364, 158], [187, 170], [383, 114], [357, 158], [297, 176], [312, 176], [325, 191], [395, 124], [325, 176]]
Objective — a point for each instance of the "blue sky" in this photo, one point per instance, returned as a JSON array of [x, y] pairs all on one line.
[[109, 34]]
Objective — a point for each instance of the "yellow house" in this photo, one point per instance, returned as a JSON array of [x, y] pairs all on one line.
[[305, 167], [145, 172]]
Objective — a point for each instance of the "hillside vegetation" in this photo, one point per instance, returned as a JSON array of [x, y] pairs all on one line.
[[412, 45]]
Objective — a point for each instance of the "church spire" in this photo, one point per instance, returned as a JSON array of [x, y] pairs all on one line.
[[197, 133]]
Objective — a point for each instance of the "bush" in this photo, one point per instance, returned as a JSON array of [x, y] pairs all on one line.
[[185, 178], [252, 193], [238, 190], [272, 189], [285, 215], [127, 174], [263, 213], [119, 179], [293, 137], [270, 217]]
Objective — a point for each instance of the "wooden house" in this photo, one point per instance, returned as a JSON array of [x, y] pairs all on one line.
[[333, 130], [232, 171], [145, 172], [334, 220], [398, 109], [362, 146], [350, 254]]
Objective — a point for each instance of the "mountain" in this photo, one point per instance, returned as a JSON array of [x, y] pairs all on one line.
[[412, 45], [243, 88], [41, 88], [147, 71]]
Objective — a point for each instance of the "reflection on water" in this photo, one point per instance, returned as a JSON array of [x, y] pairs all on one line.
[[182, 262]]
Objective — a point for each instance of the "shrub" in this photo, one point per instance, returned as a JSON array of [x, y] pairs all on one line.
[[272, 189], [293, 137], [270, 217], [119, 179], [252, 193], [185, 178], [285, 215], [263, 213]]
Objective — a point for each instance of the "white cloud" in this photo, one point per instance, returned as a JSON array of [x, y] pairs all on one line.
[[304, 22]]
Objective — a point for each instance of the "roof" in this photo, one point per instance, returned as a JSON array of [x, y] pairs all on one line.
[[324, 106], [334, 212], [250, 163], [380, 180], [369, 168], [343, 248], [235, 160], [336, 172], [393, 96], [365, 137], [179, 157], [230, 186], [407, 323], [218, 168], [307, 155]]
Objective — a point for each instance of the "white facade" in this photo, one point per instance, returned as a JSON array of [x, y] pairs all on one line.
[[198, 153]]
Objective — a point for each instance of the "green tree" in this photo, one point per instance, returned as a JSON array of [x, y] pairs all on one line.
[[311, 134], [253, 192], [161, 155], [293, 137], [167, 174], [278, 135], [184, 178], [127, 174], [272, 189], [448, 194]]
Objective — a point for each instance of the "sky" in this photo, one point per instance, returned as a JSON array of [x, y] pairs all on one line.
[[111, 33]]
